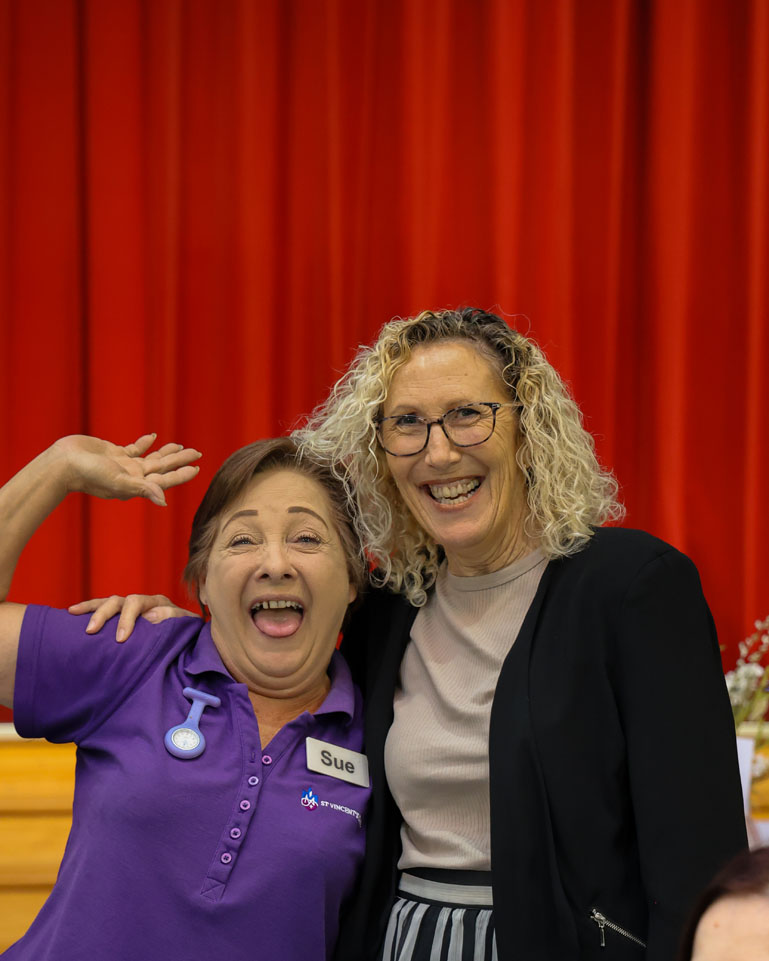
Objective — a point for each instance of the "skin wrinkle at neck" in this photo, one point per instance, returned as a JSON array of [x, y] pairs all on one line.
[[273, 713], [276, 708]]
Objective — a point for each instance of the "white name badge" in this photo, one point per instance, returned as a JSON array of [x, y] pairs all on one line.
[[337, 762]]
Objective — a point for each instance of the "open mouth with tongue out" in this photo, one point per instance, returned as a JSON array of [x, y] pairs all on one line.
[[277, 617]]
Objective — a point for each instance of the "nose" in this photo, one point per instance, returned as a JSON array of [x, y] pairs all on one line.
[[440, 452], [275, 563]]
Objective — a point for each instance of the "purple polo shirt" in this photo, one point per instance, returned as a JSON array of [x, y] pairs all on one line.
[[175, 859]]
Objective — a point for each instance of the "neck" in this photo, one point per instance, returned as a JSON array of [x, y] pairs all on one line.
[[274, 712], [470, 564]]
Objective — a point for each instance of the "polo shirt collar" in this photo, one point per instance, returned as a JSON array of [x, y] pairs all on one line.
[[340, 698], [204, 655]]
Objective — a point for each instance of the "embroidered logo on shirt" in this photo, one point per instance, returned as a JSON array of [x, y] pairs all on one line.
[[309, 800]]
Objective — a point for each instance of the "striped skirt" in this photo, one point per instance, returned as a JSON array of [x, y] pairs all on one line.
[[442, 916]]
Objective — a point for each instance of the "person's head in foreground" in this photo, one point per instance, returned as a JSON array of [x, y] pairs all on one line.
[[272, 547], [731, 921], [454, 431]]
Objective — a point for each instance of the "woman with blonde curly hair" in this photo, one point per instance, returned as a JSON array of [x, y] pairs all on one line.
[[567, 492], [550, 742]]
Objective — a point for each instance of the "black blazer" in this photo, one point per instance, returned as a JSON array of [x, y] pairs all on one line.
[[613, 770]]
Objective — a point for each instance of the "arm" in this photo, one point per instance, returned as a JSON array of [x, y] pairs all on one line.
[[75, 463], [681, 743]]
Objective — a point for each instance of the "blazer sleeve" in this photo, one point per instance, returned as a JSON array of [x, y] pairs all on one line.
[[681, 746]]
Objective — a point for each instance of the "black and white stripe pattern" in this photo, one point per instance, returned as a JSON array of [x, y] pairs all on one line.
[[423, 929]]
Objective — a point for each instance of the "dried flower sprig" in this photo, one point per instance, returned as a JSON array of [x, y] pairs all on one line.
[[748, 683]]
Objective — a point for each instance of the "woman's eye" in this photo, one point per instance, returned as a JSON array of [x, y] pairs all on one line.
[[407, 420], [312, 540], [241, 540], [466, 413]]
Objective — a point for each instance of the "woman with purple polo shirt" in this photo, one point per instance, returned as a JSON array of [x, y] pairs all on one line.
[[220, 789]]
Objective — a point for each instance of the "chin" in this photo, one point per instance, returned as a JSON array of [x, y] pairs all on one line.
[[458, 539]]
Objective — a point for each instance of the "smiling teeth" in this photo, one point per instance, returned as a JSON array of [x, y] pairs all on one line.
[[276, 605], [454, 493]]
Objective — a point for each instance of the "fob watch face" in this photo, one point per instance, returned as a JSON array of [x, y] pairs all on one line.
[[185, 739]]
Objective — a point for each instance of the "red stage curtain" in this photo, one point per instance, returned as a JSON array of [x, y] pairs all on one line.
[[206, 205]]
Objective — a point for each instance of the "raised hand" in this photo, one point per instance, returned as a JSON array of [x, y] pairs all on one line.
[[106, 470], [75, 463]]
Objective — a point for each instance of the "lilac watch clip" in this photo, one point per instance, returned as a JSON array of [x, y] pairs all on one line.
[[186, 740]]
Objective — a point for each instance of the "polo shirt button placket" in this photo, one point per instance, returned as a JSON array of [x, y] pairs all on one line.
[[234, 833], [244, 805]]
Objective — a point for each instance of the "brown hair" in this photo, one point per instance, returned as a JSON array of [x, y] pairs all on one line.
[[231, 480], [747, 873]]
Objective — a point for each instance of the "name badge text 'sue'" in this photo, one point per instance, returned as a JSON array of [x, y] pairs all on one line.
[[339, 762]]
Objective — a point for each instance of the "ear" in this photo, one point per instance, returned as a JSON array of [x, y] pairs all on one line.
[[202, 591], [351, 594]]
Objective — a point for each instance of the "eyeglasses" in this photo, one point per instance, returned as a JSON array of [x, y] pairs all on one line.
[[467, 426]]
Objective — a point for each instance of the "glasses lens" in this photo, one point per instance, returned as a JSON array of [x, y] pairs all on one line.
[[464, 426], [403, 435], [469, 425]]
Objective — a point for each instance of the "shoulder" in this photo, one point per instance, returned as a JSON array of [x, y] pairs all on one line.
[[68, 681], [620, 542], [56, 627], [622, 551], [617, 562]]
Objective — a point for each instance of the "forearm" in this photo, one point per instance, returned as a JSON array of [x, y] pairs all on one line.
[[25, 501], [75, 463]]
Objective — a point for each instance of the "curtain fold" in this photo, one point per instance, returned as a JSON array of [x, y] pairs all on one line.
[[754, 517], [206, 206]]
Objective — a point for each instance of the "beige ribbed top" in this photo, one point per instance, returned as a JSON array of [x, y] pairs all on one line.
[[437, 750]]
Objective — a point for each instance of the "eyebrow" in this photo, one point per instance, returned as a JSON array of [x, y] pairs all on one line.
[[415, 408], [289, 510]]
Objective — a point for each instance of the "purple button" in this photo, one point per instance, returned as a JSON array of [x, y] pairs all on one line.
[[253, 780], [225, 858], [266, 759], [235, 833], [245, 805]]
